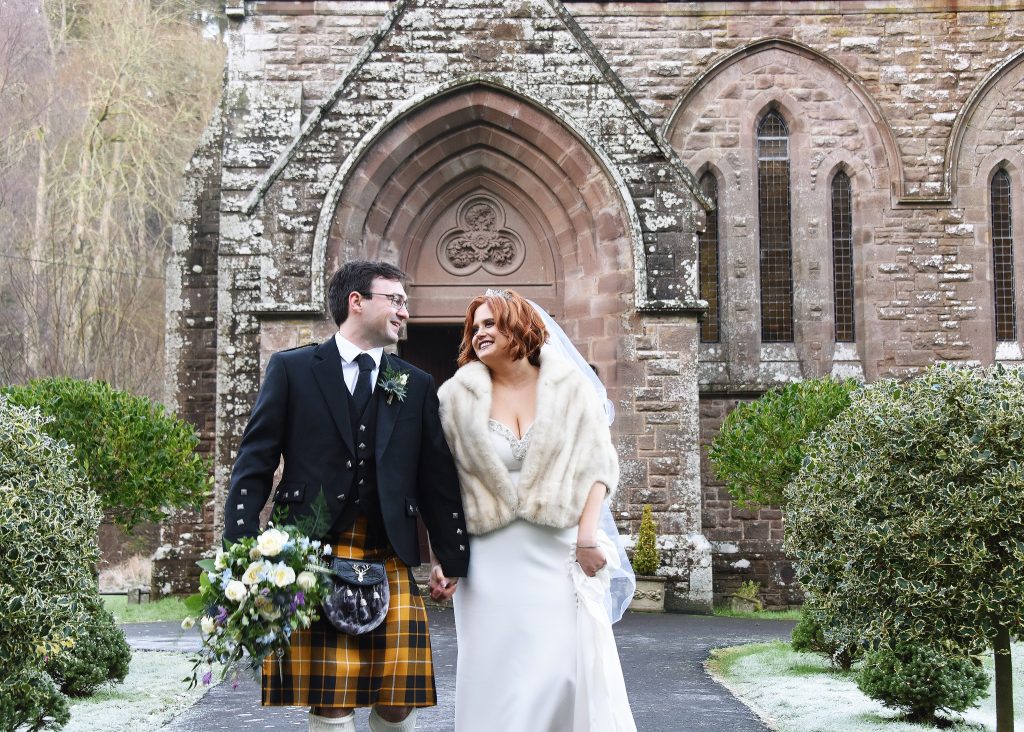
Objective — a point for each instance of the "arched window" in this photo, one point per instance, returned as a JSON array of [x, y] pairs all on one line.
[[773, 213], [707, 259], [842, 256], [1002, 257]]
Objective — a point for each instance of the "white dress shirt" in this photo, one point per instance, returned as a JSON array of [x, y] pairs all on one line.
[[349, 367]]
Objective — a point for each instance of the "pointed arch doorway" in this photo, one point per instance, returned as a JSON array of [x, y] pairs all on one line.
[[479, 187]]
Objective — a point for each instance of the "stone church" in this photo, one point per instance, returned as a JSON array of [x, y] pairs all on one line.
[[713, 198]]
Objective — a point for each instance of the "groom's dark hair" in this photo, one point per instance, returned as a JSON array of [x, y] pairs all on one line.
[[357, 276]]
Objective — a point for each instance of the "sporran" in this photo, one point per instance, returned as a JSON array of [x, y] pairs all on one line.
[[359, 602]]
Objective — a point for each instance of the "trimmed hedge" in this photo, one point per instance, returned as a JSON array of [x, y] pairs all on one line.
[[760, 447], [138, 457], [906, 518]]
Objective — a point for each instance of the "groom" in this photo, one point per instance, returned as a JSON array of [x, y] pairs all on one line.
[[364, 455]]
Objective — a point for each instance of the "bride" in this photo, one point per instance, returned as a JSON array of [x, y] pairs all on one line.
[[536, 464]]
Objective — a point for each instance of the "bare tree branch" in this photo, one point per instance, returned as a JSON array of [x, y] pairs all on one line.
[[101, 104]]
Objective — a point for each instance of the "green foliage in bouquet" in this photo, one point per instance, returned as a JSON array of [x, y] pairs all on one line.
[[760, 446], [920, 680], [138, 457], [101, 654], [48, 524], [646, 557], [254, 595], [906, 517]]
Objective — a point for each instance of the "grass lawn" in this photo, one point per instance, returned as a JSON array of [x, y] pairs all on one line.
[[150, 696], [724, 612], [169, 608], [799, 692]]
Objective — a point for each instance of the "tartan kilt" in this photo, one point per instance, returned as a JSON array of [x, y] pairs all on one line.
[[391, 665]]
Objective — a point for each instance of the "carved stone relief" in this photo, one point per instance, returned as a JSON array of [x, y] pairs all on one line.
[[481, 240]]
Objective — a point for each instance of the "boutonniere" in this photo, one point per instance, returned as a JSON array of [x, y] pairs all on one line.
[[393, 383]]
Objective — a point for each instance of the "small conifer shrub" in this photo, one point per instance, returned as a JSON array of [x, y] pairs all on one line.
[[809, 637], [101, 654], [646, 557], [920, 680]]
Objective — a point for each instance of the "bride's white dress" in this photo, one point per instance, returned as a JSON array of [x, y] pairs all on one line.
[[515, 615]]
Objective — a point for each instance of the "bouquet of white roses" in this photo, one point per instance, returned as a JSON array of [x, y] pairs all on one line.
[[254, 596]]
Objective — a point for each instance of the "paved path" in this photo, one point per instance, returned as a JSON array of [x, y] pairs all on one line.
[[662, 657]]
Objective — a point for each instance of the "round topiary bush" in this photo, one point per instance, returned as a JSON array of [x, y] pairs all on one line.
[[906, 516], [138, 457], [48, 523], [920, 680], [101, 654]]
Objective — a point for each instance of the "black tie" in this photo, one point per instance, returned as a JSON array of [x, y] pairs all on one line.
[[361, 395]]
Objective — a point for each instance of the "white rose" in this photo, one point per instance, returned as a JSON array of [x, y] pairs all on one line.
[[208, 625], [327, 550], [255, 553], [252, 575], [188, 623], [221, 560], [235, 591], [282, 575], [306, 581], [271, 542]]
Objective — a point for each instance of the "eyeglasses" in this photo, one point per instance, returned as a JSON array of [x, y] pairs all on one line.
[[397, 301]]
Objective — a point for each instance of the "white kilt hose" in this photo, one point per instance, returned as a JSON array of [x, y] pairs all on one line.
[[391, 665]]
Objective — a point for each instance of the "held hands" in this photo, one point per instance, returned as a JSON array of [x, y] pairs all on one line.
[[590, 558], [441, 587]]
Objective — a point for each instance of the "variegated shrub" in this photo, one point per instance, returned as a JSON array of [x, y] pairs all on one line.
[[907, 517], [48, 523]]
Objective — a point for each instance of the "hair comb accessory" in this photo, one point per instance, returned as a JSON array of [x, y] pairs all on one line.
[[503, 294]]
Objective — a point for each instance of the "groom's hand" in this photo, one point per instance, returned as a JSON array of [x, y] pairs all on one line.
[[441, 587]]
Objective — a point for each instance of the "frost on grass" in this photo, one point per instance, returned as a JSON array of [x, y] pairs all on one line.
[[798, 692], [151, 695]]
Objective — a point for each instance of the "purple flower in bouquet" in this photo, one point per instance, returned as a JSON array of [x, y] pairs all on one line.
[[256, 604]]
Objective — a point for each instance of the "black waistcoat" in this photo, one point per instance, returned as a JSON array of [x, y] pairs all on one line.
[[361, 495]]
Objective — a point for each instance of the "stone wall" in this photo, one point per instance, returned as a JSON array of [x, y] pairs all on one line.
[[918, 108], [332, 110], [191, 352], [746, 543], [339, 140]]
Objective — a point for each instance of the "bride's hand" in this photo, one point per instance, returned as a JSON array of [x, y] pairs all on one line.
[[441, 587], [591, 559]]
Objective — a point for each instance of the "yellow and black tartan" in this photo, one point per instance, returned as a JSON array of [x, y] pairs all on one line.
[[391, 665]]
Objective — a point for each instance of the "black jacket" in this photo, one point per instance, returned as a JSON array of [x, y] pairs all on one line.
[[301, 414]]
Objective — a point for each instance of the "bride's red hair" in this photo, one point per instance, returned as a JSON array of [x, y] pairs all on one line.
[[515, 318]]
